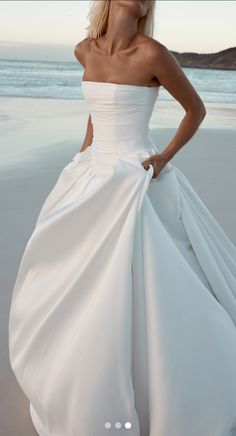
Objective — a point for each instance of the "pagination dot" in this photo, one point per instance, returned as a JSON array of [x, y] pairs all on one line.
[[128, 425], [108, 425], [118, 425]]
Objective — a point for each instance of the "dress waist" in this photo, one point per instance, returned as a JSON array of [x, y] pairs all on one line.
[[104, 154]]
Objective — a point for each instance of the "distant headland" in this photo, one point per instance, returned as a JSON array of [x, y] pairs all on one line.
[[222, 60]]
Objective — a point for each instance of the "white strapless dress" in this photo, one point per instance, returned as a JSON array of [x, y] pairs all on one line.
[[123, 313]]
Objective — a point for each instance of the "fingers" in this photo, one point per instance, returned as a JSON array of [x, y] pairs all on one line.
[[146, 164]]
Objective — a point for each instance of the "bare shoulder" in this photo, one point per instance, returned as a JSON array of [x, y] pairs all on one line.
[[157, 56], [81, 49], [154, 50], [164, 66]]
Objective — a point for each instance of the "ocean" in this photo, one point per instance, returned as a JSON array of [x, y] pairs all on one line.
[[62, 80]]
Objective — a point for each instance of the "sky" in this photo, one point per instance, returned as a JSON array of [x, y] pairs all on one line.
[[49, 30]]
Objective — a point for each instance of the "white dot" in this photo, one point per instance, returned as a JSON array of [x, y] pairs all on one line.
[[118, 425], [128, 425], [108, 425]]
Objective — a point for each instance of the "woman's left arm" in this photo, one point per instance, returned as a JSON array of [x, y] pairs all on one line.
[[169, 73]]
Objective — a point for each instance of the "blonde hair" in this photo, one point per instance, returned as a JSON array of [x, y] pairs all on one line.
[[98, 19]]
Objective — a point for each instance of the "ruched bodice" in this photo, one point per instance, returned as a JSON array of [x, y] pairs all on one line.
[[120, 115]]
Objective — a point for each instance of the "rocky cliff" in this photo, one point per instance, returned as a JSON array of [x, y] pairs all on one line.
[[224, 60]]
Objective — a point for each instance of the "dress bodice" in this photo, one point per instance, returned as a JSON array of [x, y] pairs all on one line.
[[120, 116]]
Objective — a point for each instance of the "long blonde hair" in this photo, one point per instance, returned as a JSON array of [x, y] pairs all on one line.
[[98, 19]]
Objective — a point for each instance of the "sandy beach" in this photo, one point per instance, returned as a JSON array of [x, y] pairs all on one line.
[[38, 138]]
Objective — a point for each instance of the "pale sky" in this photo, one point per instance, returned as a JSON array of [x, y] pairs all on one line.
[[48, 30]]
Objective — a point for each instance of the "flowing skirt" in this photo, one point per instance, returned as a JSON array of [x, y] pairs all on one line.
[[123, 314]]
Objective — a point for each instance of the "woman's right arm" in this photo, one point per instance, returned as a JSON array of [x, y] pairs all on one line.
[[79, 52], [89, 134]]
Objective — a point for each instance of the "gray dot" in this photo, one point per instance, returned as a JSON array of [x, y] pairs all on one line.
[[118, 425], [108, 425], [128, 425]]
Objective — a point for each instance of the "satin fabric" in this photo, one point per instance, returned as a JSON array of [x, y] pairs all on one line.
[[123, 313]]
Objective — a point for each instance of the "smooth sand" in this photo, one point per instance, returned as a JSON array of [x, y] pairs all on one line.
[[208, 160]]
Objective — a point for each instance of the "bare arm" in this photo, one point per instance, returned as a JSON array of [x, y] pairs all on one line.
[[89, 134], [79, 52], [170, 74]]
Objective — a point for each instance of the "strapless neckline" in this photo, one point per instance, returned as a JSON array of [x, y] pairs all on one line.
[[119, 84]]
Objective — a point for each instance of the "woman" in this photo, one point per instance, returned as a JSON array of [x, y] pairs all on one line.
[[123, 315]]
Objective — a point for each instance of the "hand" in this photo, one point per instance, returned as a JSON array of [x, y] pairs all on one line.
[[158, 161]]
